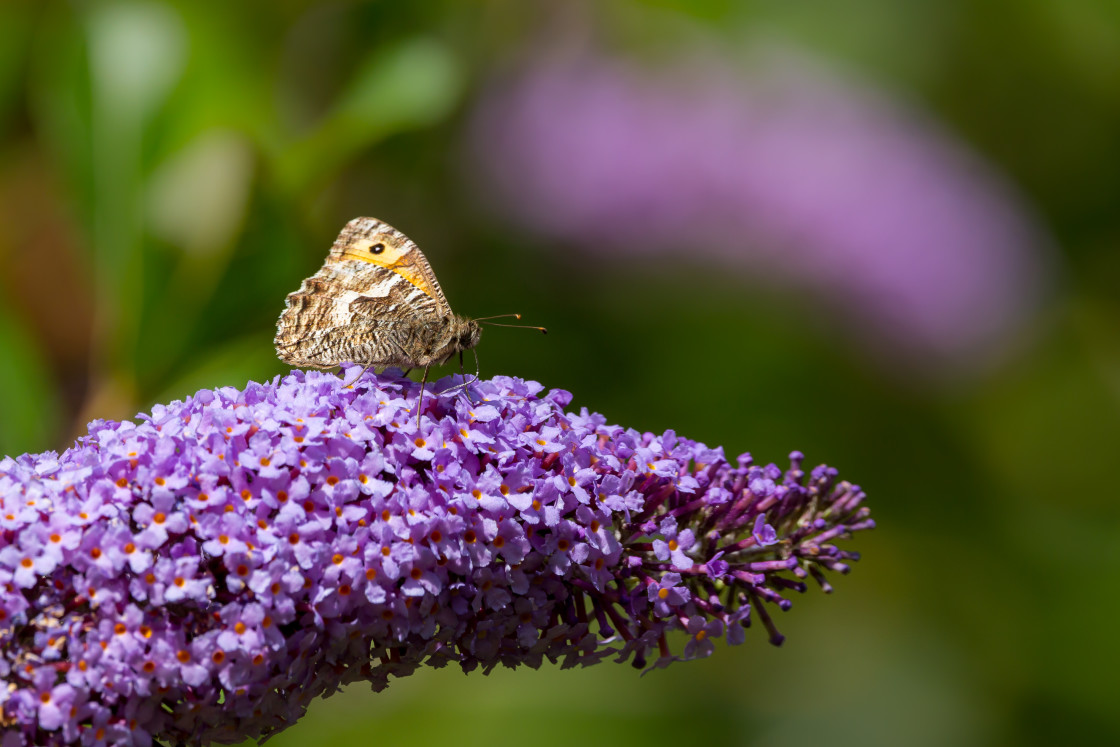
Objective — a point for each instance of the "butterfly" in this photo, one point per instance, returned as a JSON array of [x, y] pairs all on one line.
[[374, 302]]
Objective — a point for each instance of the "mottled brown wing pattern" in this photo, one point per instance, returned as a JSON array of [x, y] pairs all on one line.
[[375, 302]]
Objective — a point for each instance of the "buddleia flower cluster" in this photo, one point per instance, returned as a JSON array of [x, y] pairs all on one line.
[[201, 573]]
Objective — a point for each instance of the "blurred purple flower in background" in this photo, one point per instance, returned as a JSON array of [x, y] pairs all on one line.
[[202, 574], [800, 179]]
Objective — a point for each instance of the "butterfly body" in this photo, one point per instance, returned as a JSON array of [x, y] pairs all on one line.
[[374, 302]]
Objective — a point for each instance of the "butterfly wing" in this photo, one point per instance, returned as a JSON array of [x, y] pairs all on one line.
[[375, 302]]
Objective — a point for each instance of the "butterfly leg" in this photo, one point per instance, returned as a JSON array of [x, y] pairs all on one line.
[[466, 384], [462, 386], [360, 375], [420, 400]]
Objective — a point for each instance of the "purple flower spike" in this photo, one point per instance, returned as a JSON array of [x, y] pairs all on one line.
[[201, 574], [794, 176]]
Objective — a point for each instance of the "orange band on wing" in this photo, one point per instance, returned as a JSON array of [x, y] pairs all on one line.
[[393, 262]]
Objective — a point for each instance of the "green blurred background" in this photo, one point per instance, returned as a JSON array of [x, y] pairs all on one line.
[[170, 170]]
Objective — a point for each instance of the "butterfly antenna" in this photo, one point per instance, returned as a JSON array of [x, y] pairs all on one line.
[[506, 316], [542, 330], [499, 316]]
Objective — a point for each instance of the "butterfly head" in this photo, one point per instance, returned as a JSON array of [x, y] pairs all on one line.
[[467, 332]]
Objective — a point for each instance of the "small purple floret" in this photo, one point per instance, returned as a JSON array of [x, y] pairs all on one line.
[[203, 573]]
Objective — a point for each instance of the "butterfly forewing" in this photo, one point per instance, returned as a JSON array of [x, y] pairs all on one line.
[[375, 302], [368, 241]]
